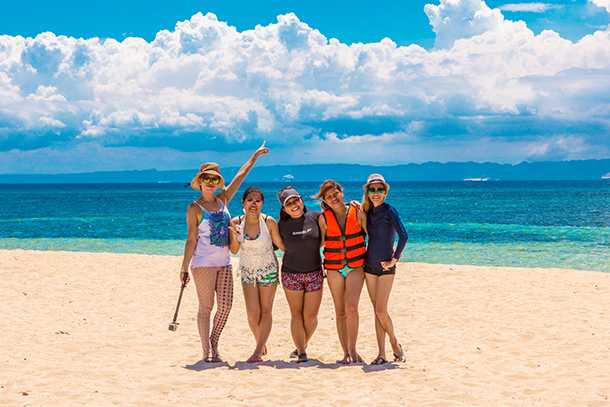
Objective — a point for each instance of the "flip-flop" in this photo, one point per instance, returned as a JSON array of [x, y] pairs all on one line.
[[401, 355], [265, 350], [254, 359], [379, 361]]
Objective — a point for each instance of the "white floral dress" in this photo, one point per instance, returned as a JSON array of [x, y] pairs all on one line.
[[257, 260]]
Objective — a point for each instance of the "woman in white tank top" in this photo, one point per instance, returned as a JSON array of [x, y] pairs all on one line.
[[207, 249], [258, 266]]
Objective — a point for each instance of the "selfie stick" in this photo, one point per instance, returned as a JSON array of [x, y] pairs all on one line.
[[174, 325]]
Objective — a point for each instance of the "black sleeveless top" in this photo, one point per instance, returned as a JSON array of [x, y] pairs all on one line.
[[302, 239]]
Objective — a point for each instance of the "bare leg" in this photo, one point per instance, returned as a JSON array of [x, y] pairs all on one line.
[[384, 287], [266, 296], [304, 309], [336, 283], [311, 307], [297, 328], [253, 307], [205, 283], [371, 286], [353, 288]]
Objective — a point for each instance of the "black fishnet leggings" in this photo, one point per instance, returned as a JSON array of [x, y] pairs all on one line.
[[207, 281]]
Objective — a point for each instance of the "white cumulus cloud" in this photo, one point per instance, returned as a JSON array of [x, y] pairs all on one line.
[[602, 3], [529, 7], [487, 85]]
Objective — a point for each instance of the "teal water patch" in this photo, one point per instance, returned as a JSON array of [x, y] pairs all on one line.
[[525, 224], [162, 247], [542, 255], [579, 248]]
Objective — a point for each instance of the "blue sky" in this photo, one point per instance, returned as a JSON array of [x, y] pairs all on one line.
[[118, 85]]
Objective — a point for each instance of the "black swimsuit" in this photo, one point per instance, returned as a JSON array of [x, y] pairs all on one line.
[[302, 240]]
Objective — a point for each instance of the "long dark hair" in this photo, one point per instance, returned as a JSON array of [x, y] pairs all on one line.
[[252, 190]]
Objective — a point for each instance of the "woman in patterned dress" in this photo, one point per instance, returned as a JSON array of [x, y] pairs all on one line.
[[258, 266], [207, 250]]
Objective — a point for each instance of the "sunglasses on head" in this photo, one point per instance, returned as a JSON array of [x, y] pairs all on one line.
[[283, 189], [378, 190], [213, 180]]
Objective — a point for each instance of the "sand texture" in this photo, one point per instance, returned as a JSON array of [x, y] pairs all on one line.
[[92, 329]]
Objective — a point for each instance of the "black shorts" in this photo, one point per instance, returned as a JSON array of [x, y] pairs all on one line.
[[379, 272]]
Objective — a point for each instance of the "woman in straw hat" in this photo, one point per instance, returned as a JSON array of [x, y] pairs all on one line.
[[207, 249], [382, 225]]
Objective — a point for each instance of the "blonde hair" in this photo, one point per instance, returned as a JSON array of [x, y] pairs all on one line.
[[324, 188], [367, 205]]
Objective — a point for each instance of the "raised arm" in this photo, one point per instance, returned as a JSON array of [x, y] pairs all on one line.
[[241, 174], [274, 231]]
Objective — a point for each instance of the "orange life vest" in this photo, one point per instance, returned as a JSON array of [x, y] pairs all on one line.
[[343, 248]]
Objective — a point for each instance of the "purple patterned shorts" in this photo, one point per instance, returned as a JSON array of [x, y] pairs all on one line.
[[308, 282]]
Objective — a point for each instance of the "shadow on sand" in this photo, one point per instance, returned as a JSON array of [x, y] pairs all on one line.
[[282, 364]]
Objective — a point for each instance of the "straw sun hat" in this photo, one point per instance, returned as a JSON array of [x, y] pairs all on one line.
[[210, 169]]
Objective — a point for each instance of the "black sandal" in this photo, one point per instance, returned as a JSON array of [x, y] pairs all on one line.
[[379, 361], [215, 358]]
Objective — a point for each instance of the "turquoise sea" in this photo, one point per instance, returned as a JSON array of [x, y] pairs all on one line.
[[563, 224]]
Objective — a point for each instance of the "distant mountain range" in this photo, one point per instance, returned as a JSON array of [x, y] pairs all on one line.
[[430, 171]]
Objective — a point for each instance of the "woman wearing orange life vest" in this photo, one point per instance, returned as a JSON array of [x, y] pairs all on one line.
[[343, 229]]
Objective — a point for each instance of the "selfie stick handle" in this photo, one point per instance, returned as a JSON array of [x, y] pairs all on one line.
[[179, 300]]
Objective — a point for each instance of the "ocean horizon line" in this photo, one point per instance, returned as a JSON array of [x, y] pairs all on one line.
[[575, 170]]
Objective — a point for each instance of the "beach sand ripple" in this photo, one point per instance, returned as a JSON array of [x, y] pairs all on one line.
[[92, 328]]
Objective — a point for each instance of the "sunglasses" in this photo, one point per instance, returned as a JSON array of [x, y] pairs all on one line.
[[378, 190], [214, 180]]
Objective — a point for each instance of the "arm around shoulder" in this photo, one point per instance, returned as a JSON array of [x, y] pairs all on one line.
[[274, 231], [323, 228], [362, 221]]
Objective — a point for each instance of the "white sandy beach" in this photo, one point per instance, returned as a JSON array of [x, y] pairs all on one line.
[[92, 329]]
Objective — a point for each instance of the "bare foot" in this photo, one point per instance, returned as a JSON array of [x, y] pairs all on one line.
[[356, 359], [344, 361]]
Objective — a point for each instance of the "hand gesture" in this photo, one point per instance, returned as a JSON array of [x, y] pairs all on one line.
[[236, 231], [262, 150], [389, 264]]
